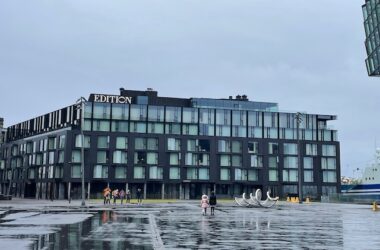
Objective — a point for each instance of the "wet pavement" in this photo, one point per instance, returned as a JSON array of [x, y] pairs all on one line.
[[180, 225]]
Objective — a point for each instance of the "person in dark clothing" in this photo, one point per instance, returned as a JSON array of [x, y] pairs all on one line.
[[139, 196], [212, 202]]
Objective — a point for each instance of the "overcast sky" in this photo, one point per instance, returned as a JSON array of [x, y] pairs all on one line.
[[305, 55]]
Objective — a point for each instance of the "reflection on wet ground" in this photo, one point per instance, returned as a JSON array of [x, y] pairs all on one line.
[[181, 226]]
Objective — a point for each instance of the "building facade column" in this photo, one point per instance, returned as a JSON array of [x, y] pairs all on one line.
[[144, 190], [88, 190], [69, 190], [163, 191]]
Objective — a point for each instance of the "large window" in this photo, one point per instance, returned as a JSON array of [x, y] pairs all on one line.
[[146, 143], [191, 173], [328, 163], [308, 176], [236, 160], [239, 123], [119, 126], [290, 148], [273, 148], [290, 162], [75, 156], [103, 141], [225, 160], [101, 110], [190, 115], [174, 158], [224, 146], [236, 147], [139, 172], [78, 141], [101, 157], [156, 113], [138, 112], [120, 172], [119, 157], [120, 111], [138, 127], [174, 173], [328, 150], [290, 175], [174, 144], [241, 174], [311, 149], [75, 171], [206, 122], [155, 128], [256, 161], [203, 174], [308, 163], [224, 174], [122, 143], [155, 172], [329, 176], [253, 147], [273, 161], [173, 114], [273, 175], [100, 125], [100, 171]]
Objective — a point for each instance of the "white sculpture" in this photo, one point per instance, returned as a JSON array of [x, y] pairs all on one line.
[[255, 201]]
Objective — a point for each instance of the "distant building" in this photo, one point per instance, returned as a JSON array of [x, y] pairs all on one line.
[[371, 13], [2, 131], [170, 148]]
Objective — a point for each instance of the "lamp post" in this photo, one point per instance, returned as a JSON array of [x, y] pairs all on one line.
[[80, 106], [299, 119]]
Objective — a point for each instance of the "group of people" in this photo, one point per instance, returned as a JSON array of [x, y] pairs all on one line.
[[208, 202], [109, 195]]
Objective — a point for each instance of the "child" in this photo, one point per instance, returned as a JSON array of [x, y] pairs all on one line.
[[212, 202], [204, 204]]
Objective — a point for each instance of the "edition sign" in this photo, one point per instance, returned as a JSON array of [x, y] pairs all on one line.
[[113, 99]]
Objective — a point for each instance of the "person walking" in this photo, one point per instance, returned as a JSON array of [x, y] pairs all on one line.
[[139, 196], [106, 192], [212, 202], [121, 196], [128, 194], [204, 204], [115, 195]]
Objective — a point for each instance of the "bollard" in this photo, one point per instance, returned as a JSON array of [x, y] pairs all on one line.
[[307, 200], [374, 206], [288, 199]]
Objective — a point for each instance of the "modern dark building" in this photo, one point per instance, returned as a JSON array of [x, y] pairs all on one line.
[[371, 13], [2, 131], [171, 148]]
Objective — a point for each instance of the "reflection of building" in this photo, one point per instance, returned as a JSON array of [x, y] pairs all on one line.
[[371, 12], [172, 148]]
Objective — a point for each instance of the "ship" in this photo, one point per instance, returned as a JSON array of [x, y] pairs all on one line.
[[368, 186]]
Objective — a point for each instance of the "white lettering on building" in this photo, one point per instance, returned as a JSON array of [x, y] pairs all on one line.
[[113, 99]]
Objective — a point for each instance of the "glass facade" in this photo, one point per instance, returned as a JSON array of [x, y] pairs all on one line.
[[371, 13], [230, 147]]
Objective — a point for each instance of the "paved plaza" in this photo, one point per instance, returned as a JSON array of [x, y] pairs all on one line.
[[32, 224]]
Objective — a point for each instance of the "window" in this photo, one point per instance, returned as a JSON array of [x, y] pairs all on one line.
[[139, 172], [224, 174], [101, 157], [225, 160], [100, 125], [311, 149], [236, 160], [273, 148], [308, 162], [103, 141], [51, 157], [224, 146], [256, 161], [240, 174], [174, 173], [191, 173], [58, 172], [121, 143], [101, 110], [156, 113], [119, 126], [174, 144], [328, 163], [62, 141], [119, 157], [203, 174], [120, 112], [173, 114], [329, 176], [155, 128], [290, 148], [253, 175], [100, 171], [152, 144], [78, 141], [192, 145], [273, 161], [52, 143], [61, 156], [189, 129], [190, 115], [174, 158], [204, 145], [140, 143], [290, 175], [155, 172], [253, 147], [138, 112], [138, 127], [290, 162], [308, 176], [273, 175], [76, 156], [75, 171], [173, 128], [152, 158], [120, 172], [328, 150], [140, 157], [236, 147]]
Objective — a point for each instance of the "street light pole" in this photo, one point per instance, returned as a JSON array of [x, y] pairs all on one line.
[[81, 101], [298, 118]]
